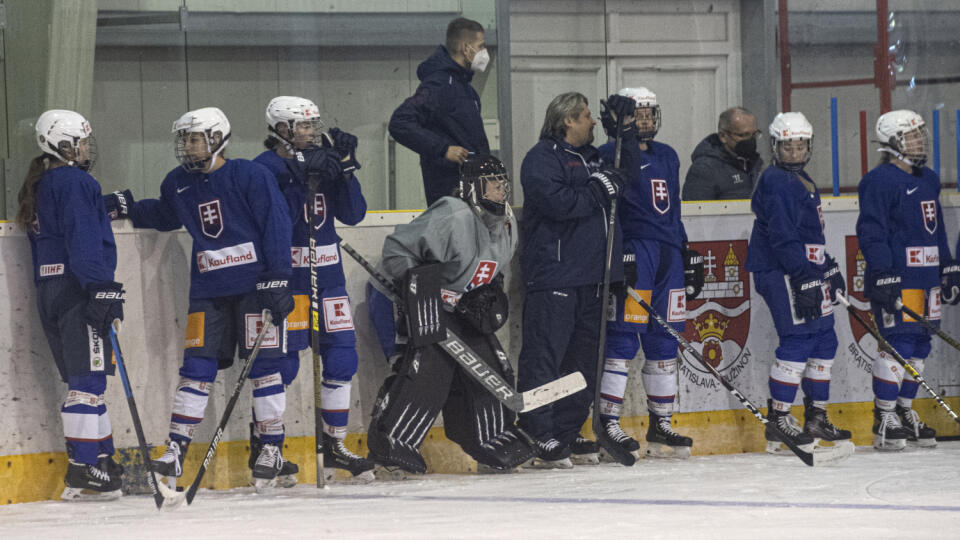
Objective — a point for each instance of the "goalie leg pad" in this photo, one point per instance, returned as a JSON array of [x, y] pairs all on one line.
[[423, 305]]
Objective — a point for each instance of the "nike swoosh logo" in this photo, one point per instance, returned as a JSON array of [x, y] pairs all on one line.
[[182, 189], [644, 166], [910, 191]]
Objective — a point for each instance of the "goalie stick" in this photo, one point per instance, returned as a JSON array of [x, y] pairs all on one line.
[[882, 344], [934, 329], [822, 455], [477, 368]]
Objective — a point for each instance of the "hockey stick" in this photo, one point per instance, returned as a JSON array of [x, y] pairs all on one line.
[[884, 345], [314, 334], [244, 372], [477, 368], [608, 444], [806, 457], [930, 326], [158, 497]]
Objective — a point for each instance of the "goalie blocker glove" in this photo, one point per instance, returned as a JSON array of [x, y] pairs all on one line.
[[692, 273], [950, 282], [833, 277], [118, 204], [274, 296], [884, 289], [606, 185], [104, 304], [807, 296]]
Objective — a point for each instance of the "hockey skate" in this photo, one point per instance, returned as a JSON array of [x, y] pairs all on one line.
[[393, 459], [615, 445], [267, 467], [889, 435], [505, 452], [288, 473], [664, 442], [551, 455], [336, 455], [919, 434], [817, 425], [790, 428], [584, 451], [90, 483], [170, 464]]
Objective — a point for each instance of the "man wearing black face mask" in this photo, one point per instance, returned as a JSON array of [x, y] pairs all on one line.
[[726, 164]]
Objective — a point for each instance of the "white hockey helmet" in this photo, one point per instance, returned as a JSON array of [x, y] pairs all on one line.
[[67, 136], [903, 134], [215, 128], [791, 126], [645, 99], [285, 114]]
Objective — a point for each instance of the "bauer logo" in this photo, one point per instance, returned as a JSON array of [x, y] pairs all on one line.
[[211, 218], [336, 314], [718, 321], [659, 195], [864, 346]]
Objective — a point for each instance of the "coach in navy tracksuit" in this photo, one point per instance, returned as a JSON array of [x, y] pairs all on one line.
[[563, 234], [442, 121]]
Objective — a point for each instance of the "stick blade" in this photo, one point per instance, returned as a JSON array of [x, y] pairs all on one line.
[[552, 391], [171, 499], [829, 455]]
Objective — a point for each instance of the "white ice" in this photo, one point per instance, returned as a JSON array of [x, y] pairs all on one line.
[[912, 494]]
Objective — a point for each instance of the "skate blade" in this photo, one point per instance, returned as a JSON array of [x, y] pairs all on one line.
[[605, 456], [592, 458], [923, 443], [287, 481], [665, 451], [262, 485], [487, 469], [889, 445], [841, 450], [73, 494], [331, 476], [387, 473], [564, 463], [777, 448]]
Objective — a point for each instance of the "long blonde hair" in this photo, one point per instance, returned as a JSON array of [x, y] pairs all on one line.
[[27, 198]]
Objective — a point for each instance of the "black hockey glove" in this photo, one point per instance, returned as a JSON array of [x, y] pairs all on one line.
[[883, 288], [692, 273], [807, 296], [617, 106], [834, 277], [606, 185], [118, 204], [104, 304], [950, 282], [315, 166], [485, 308], [346, 145], [274, 296]]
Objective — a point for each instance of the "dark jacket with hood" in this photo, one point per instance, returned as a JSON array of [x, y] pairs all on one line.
[[717, 174], [444, 112]]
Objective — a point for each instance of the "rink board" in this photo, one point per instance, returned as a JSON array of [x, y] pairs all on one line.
[[732, 327]]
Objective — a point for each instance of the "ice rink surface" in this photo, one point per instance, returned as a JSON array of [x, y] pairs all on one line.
[[912, 494]]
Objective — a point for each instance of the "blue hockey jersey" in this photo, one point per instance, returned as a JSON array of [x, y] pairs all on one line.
[[337, 198], [71, 234], [901, 227], [788, 227], [650, 204], [238, 220]]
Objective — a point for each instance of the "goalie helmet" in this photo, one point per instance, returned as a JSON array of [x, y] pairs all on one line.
[[786, 127], [484, 184], [903, 133], [645, 99], [200, 136], [67, 136], [294, 121]]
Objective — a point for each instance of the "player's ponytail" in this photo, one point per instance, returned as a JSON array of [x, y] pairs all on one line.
[[27, 198]]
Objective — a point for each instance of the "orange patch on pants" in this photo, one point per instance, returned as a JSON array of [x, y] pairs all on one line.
[[194, 330], [632, 312], [913, 299], [298, 318]]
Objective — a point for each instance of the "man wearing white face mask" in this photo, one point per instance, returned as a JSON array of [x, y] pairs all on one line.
[[442, 121]]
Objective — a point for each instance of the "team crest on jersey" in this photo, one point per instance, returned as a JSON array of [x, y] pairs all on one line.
[[718, 321], [929, 209], [211, 218], [319, 210], [482, 275], [864, 347], [660, 195]]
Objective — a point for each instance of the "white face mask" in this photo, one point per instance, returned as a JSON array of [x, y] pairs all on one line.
[[480, 60]]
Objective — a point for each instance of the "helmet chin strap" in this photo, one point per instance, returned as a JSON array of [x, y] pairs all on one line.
[[896, 154]]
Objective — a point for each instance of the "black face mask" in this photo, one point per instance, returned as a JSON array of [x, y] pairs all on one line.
[[746, 149]]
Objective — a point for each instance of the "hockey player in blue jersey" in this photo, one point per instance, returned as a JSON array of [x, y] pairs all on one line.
[[74, 259], [799, 281], [294, 125], [904, 242], [655, 256], [241, 232]]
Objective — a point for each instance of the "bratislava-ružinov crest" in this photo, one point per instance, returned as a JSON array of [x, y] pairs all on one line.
[[718, 321], [864, 346]]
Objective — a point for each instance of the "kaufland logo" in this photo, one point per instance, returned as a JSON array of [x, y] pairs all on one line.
[[210, 260]]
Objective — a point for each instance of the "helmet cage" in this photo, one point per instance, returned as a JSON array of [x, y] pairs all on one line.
[[298, 136], [193, 162], [476, 176], [912, 151], [795, 166], [648, 135]]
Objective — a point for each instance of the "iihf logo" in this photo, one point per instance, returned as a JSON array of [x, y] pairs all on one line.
[[211, 218]]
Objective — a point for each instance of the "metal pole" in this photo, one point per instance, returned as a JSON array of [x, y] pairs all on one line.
[[834, 146], [786, 80], [936, 141], [863, 144], [882, 61]]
